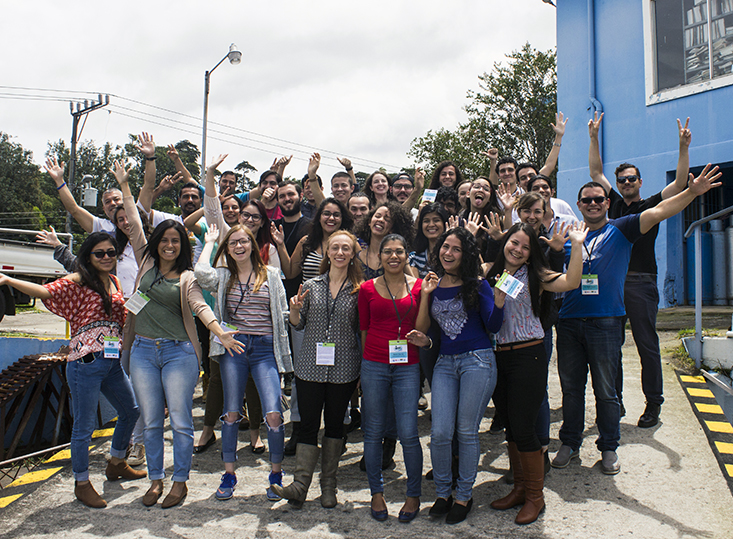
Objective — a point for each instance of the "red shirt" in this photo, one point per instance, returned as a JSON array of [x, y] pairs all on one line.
[[378, 318], [83, 308]]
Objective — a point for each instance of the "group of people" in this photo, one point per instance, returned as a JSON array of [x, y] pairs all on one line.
[[361, 288]]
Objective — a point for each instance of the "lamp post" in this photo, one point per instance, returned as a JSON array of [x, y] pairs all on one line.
[[234, 57]]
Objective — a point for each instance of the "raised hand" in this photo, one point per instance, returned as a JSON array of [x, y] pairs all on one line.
[[577, 232], [212, 234], [268, 194], [429, 283], [473, 223], [55, 170], [506, 198], [284, 161], [173, 153], [684, 132], [345, 162], [705, 181], [146, 145], [313, 163], [560, 122], [492, 154], [48, 237], [277, 233], [493, 222], [121, 173], [218, 161], [594, 125], [296, 302], [419, 178], [559, 235], [169, 181]]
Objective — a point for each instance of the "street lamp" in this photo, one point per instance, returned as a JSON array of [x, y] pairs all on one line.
[[234, 57]]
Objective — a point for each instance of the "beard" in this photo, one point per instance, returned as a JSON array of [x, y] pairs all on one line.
[[294, 211]]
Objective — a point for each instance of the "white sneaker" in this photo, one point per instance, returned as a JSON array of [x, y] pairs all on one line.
[[136, 457]]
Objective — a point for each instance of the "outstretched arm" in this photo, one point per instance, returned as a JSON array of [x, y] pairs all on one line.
[[594, 154], [673, 205], [571, 279], [146, 145], [32, 289], [683, 162], [316, 189], [559, 128], [137, 236], [82, 216], [493, 155]]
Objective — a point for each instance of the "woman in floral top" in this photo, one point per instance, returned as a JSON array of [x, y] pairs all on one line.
[[91, 300]]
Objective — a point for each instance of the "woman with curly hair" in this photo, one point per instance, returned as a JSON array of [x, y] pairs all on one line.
[[464, 376], [386, 218], [377, 187]]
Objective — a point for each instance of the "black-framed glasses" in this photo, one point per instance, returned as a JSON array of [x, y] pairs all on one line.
[[256, 217], [111, 253], [629, 179], [242, 241], [390, 252], [402, 187], [597, 200], [327, 214]]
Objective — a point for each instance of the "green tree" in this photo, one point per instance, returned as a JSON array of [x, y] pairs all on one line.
[[511, 111], [244, 182], [20, 188]]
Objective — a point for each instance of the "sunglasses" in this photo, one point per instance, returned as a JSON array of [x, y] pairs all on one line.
[[101, 254], [630, 179], [597, 200]]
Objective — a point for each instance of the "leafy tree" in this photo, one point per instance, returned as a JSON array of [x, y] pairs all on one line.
[[244, 182], [20, 188], [512, 111]]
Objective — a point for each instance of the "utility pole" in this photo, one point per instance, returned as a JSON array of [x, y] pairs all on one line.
[[76, 116]]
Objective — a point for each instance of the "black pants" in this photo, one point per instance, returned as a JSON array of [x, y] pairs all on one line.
[[520, 390], [315, 397]]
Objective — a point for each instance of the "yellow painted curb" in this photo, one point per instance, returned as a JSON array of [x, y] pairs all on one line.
[[692, 379], [7, 500], [729, 469], [34, 477], [103, 432], [709, 408], [695, 392], [720, 426], [724, 447]]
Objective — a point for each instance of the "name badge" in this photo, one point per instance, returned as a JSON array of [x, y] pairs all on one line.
[[112, 347], [397, 352], [137, 302], [326, 354], [428, 195], [589, 285], [226, 327], [509, 285]]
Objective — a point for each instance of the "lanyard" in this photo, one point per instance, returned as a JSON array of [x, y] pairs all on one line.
[[329, 299], [243, 292], [396, 310], [158, 277], [590, 252]]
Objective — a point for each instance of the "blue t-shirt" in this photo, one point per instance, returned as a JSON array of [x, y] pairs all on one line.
[[606, 253]]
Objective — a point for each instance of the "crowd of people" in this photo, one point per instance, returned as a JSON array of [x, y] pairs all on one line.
[[350, 304]]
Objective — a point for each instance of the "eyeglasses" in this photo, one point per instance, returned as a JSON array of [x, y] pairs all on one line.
[[481, 186], [243, 241], [390, 252], [328, 214], [402, 187], [256, 217], [630, 179], [111, 253], [597, 200]]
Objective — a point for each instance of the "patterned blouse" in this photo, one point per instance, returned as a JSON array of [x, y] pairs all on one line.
[[83, 308], [520, 323], [320, 311]]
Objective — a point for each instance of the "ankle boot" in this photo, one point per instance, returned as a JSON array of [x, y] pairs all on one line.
[[330, 456], [292, 445], [533, 467], [517, 495], [388, 449], [122, 470], [86, 494], [306, 458]]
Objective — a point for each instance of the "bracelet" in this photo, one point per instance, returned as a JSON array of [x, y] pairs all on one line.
[[431, 344], [60, 186], [151, 158], [349, 169], [556, 144]]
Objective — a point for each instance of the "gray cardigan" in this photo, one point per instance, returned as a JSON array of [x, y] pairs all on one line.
[[215, 280]]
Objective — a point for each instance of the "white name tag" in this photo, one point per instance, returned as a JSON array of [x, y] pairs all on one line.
[[137, 302], [397, 352], [509, 285], [326, 353], [112, 347], [226, 327], [429, 195], [589, 285]]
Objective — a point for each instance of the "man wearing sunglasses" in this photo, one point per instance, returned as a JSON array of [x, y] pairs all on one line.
[[591, 325], [641, 293]]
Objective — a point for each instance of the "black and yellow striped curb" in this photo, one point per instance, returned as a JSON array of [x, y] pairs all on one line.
[[30, 481], [716, 426]]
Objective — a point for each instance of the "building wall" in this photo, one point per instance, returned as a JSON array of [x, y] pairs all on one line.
[[632, 131]]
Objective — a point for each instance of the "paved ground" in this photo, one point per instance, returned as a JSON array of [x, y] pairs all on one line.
[[670, 485]]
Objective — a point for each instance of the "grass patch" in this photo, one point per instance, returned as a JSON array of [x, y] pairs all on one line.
[[16, 334], [27, 309]]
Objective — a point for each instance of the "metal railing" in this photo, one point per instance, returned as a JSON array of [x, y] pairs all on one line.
[[696, 228], [36, 232]]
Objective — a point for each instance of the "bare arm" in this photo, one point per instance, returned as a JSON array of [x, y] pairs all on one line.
[[493, 155], [32, 289], [594, 154], [571, 279], [137, 236], [559, 128], [192, 221], [316, 189], [180, 167], [82, 216], [349, 169], [429, 284], [146, 145], [419, 183], [683, 162]]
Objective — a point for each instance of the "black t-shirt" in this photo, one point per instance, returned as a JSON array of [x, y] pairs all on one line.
[[643, 254], [293, 233]]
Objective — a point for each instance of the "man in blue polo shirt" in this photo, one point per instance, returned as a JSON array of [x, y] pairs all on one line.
[[590, 329]]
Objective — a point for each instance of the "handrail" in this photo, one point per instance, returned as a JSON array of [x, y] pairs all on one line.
[[696, 228], [36, 232]]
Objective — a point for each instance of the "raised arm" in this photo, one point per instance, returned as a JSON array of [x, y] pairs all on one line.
[[673, 205], [316, 189], [417, 191], [82, 216], [559, 128], [595, 164], [571, 279], [349, 169], [212, 206], [146, 145], [137, 236], [493, 155], [192, 221], [683, 162], [180, 167], [429, 284]]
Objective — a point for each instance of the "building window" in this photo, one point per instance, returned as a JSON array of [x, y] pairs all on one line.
[[689, 47]]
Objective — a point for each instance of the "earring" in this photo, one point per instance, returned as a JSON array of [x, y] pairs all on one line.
[[329, 261], [352, 262]]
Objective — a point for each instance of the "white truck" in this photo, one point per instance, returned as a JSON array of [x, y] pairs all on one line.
[[25, 260]]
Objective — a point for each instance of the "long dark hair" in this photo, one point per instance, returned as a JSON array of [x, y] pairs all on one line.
[[315, 235], [264, 238], [401, 223], [185, 257], [421, 242], [537, 269], [368, 186], [120, 236], [469, 268], [89, 274]]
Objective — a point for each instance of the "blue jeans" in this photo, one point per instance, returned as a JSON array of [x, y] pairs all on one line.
[[462, 387], [403, 381], [86, 381], [165, 372], [258, 359], [594, 343]]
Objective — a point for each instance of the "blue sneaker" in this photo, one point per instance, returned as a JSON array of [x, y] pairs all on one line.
[[276, 478], [226, 489]]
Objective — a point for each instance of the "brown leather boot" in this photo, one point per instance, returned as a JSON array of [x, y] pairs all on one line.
[[176, 495], [533, 466], [517, 495], [122, 470], [86, 494]]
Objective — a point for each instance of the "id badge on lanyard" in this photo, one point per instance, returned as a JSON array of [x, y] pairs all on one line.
[[398, 352], [326, 354], [589, 284], [137, 302], [112, 347]]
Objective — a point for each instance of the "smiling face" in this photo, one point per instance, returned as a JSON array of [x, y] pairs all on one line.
[[402, 188], [508, 176], [341, 250], [524, 175], [381, 223], [189, 200], [594, 211], [533, 215], [359, 207], [110, 200], [122, 223], [393, 257], [432, 226], [341, 189], [516, 250], [330, 219], [239, 246], [447, 177], [170, 245], [107, 263], [463, 190], [230, 210], [227, 183], [251, 218], [380, 184], [479, 193], [288, 199], [629, 189], [451, 255], [543, 188]]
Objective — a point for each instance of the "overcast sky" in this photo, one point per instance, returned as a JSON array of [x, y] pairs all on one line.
[[356, 79]]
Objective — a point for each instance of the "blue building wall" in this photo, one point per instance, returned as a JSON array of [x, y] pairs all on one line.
[[632, 131]]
